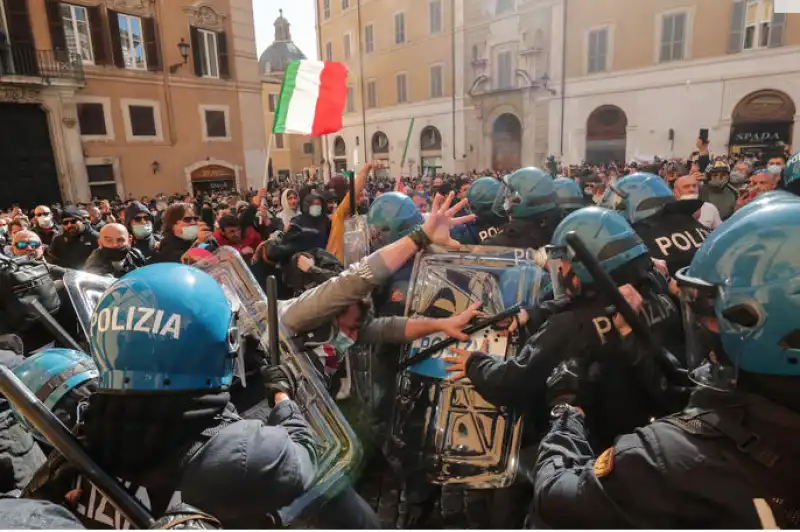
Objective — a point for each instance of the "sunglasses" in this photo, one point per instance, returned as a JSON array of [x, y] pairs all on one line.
[[190, 219], [25, 245], [69, 222], [145, 218]]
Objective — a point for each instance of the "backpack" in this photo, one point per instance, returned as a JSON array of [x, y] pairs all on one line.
[[23, 280]]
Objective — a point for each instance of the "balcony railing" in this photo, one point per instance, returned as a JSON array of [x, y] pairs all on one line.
[[25, 61]]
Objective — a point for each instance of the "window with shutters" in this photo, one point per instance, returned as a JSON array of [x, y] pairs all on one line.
[[92, 120], [399, 28], [598, 51], [132, 41], [346, 40], [435, 16], [102, 181], [437, 83], [142, 119], [402, 88], [209, 54], [326, 8], [351, 100], [505, 70], [77, 32], [215, 122], [328, 51], [369, 39], [757, 24], [278, 141], [308, 148], [673, 37], [273, 100], [372, 94]]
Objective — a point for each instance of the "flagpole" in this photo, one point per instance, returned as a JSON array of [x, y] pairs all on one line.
[[265, 180], [405, 149]]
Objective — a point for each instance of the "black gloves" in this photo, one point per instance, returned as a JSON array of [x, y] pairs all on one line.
[[279, 379]]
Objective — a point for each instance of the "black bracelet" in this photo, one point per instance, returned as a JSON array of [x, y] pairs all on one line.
[[420, 239]]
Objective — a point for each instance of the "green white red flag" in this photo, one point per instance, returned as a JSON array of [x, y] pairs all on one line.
[[312, 98]]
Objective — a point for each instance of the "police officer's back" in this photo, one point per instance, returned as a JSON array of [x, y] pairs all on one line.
[[729, 460], [488, 223], [164, 339], [667, 225], [528, 196]]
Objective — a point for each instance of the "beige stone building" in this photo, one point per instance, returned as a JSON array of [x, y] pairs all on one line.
[[643, 77], [291, 154], [403, 62], [127, 97]]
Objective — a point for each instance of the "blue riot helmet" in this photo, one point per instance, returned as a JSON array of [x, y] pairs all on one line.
[[527, 193], [391, 217], [481, 195], [607, 236], [56, 376], [639, 196], [740, 298], [569, 194], [164, 327]]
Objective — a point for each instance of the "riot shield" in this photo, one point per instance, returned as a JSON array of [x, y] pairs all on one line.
[[339, 451], [446, 432], [356, 239]]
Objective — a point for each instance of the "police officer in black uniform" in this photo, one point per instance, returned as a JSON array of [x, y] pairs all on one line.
[[666, 225], [528, 196], [729, 459], [481, 196]]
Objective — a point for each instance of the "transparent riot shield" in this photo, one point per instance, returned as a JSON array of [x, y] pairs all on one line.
[[446, 432], [339, 451], [356, 239]]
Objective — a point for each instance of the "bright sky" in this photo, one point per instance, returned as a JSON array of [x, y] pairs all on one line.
[[300, 14]]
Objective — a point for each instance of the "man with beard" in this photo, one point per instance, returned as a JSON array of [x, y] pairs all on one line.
[[115, 256], [139, 221], [44, 225], [71, 248]]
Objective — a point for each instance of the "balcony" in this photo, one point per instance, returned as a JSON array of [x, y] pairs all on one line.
[[23, 64]]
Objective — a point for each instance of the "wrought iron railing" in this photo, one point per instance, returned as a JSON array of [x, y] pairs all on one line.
[[24, 60]]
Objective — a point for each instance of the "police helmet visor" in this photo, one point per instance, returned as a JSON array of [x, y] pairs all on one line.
[[708, 364], [654, 203], [505, 199], [613, 198]]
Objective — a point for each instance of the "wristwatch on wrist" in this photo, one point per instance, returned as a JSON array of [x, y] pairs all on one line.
[[419, 238]]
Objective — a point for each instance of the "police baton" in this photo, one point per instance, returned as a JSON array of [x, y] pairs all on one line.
[[26, 403], [668, 368], [272, 320]]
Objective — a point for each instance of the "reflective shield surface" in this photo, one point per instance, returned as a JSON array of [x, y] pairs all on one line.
[[446, 432], [356, 239]]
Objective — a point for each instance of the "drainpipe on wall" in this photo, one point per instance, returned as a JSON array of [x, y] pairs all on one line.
[[361, 75], [563, 74], [453, 76], [165, 75], [323, 144]]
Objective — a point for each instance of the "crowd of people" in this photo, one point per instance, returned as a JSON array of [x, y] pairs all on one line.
[[702, 250]]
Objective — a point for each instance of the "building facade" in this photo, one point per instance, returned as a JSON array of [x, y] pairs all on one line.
[[127, 97], [290, 155], [643, 78], [405, 62]]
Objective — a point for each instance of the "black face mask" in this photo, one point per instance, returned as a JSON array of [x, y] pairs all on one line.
[[114, 254]]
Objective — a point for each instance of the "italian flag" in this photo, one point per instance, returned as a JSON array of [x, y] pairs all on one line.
[[312, 98]]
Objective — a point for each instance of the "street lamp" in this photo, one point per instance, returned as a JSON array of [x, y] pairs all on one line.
[[183, 47], [156, 166]]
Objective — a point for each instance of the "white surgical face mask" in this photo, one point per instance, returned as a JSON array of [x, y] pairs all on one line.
[[189, 233], [315, 210], [143, 231], [690, 196], [45, 222], [774, 169]]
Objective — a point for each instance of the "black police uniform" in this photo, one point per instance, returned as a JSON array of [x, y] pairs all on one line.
[[673, 235], [526, 233], [482, 229], [709, 466], [240, 471]]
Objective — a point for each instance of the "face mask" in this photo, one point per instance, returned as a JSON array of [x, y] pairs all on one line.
[[45, 222], [315, 210], [143, 231], [189, 233], [114, 254], [690, 196], [342, 343], [737, 176], [774, 170]]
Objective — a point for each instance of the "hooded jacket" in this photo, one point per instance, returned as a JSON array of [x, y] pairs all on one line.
[[286, 213], [146, 245], [321, 224], [70, 250]]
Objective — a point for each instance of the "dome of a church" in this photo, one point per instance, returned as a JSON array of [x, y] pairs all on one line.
[[282, 51]]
